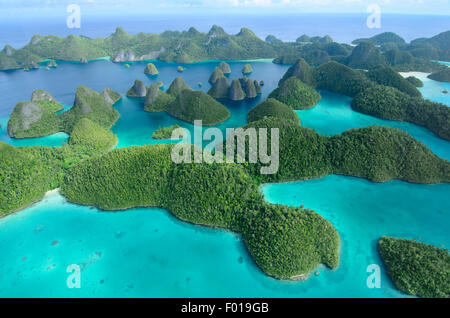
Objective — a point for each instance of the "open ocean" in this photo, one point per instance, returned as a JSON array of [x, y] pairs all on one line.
[[17, 31]]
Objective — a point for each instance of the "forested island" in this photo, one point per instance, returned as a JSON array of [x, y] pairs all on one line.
[[416, 268], [165, 132], [385, 49], [285, 242], [380, 92]]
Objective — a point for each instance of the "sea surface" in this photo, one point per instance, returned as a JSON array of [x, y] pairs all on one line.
[[18, 30], [147, 252]]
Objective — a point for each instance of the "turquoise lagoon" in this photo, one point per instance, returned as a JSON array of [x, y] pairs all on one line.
[[147, 252]]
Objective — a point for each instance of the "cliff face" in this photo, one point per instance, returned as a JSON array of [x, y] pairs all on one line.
[[137, 90], [216, 74], [236, 92], [225, 68], [40, 95], [220, 88]]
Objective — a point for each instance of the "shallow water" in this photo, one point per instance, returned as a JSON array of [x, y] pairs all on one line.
[[149, 253], [333, 115]]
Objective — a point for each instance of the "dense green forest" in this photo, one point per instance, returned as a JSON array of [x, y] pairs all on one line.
[[395, 99], [39, 117], [441, 76], [294, 93], [389, 77], [165, 132], [415, 81], [389, 103], [186, 104], [283, 241], [416, 268], [193, 46]]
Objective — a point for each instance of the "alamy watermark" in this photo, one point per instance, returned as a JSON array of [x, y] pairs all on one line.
[[236, 143], [374, 279], [74, 279], [374, 19], [74, 19]]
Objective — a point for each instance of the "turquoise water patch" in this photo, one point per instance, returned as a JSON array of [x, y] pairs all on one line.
[[333, 115], [432, 90], [362, 212]]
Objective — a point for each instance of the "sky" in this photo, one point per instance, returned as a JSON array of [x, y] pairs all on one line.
[[47, 7]]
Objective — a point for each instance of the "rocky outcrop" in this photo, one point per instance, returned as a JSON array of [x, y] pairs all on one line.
[[111, 96], [52, 63], [123, 56], [248, 86], [138, 89], [151, 69], [83, 60], [177, 86], [40, 95], [220, 88], [216, 74], [8, 50], [257, 87], [225, 68], [247, 69], [29, 114], [236, 92]]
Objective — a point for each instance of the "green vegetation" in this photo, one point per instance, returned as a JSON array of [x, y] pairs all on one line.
[[186, 104], [365, 56], [247, 69], [165, 132], [376, 153], [295, 93], [28, 172], [389, 103], [415, 81], [416, 268], [272, 108], [441, 76], [194, 46], [34, 119], [382, 38], [216, 74], [225, 67], [151, 69], [283, 241], [341, 79], [388, 77], [89, 104], [138, 89], [92, 137]]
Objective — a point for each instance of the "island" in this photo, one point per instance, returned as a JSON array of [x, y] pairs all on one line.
[[380, 92], [190, 46], [416, 268], [184, 103], [138, 89], [151, 69], [165, 132], [272, 108], [441, 76]]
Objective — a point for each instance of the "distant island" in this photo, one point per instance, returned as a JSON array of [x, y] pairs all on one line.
[[386, 49]]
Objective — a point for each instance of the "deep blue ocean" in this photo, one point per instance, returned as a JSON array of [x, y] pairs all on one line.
[[147, 252]]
